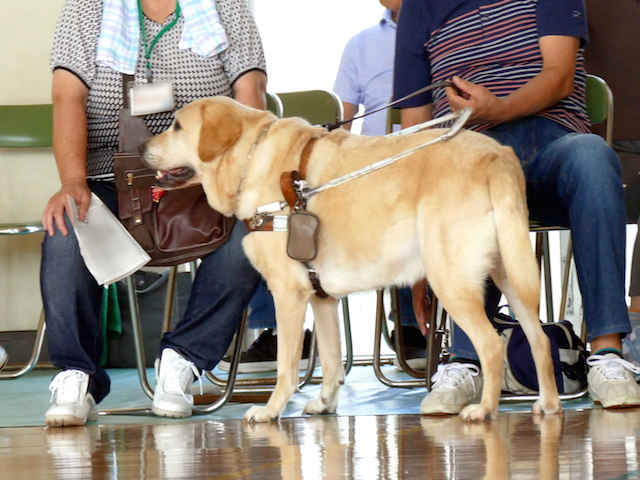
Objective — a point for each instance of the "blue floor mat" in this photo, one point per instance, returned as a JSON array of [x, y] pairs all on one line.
[[25, 399]]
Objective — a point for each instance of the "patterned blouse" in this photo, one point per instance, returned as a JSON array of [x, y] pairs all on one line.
[[74, 49]]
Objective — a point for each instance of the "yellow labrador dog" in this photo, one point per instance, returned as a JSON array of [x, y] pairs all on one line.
[[454, 212]]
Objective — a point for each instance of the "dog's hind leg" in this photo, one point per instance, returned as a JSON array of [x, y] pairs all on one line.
[[457, 258], [325, 312], [291, 305], [525, 307], [517, 272]]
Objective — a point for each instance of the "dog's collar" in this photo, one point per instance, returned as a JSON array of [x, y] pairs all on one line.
[[288, 179]]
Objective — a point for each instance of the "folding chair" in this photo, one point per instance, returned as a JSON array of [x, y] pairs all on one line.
[[25, 127]]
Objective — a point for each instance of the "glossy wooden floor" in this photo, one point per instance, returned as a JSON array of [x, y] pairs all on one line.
[[588, 444]]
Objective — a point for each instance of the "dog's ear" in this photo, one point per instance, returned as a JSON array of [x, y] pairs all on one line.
[[220, 130]]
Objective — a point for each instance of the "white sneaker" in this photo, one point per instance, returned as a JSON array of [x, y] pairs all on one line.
[[612, 382], [3, 358], [455, 385], [174, 375], [70, 402]]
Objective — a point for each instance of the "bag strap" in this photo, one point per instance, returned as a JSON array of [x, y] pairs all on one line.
[[132, 131]]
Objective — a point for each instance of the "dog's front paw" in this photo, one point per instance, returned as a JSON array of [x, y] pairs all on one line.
[[547, 407], [475, 413], [318, 406], [258, 414]]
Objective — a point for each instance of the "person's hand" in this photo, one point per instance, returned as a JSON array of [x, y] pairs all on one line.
[[486, 106], [53, 215]]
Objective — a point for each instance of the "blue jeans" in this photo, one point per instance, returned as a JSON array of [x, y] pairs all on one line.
[[263, 310], [574, 180], [71, 298]]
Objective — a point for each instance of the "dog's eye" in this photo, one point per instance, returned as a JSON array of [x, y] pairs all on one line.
[[177, 126]]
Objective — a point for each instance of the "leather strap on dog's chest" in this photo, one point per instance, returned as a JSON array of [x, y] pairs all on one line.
[[287, 178]]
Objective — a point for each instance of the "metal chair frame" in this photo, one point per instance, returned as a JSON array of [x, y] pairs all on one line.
[[25, 127]]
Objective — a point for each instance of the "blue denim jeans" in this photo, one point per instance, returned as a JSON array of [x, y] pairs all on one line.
[[574, 180], [71, 298], [262, 309]]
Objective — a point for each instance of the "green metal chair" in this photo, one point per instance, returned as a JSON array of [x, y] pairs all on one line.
[[318, 107], [25, 127]]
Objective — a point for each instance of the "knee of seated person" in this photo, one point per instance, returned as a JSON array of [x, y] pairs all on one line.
[[590, 157], [59, 244]]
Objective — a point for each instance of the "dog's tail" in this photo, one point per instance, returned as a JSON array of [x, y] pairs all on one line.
[[508, 197]]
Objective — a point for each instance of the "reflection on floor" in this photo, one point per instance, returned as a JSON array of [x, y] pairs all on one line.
[[581, 444]]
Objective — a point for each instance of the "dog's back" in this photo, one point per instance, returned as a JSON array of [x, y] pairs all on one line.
[[377, 226]]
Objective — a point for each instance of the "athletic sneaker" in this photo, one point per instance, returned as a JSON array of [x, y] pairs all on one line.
[[612, 381], [261, 356], [415, 347], [71, 404], [175, 375], [455, 385], [3, 358]]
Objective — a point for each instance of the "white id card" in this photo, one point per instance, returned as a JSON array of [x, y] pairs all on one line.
[[154, 97]]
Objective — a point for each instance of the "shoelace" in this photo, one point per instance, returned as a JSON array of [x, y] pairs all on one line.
[[613, 366], [450, 375], [65, 387], [174, 382]]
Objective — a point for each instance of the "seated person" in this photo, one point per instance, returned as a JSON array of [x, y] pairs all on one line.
[[520, 66], [87, 98]]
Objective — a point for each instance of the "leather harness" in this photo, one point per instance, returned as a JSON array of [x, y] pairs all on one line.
[[287, 186]]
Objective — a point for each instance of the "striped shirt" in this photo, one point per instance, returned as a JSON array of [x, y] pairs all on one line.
[[493, 43]]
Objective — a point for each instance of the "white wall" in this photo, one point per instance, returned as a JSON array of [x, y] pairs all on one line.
[[303, 40], [28, 178]]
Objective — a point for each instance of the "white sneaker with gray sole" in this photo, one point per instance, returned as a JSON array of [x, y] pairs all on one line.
[[71, 404], [455, 385], [612, 381], [175, 375]]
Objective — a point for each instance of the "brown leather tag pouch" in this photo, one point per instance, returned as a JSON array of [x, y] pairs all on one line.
[[302, 240]]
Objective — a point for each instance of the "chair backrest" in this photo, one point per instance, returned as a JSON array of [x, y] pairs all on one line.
[[26, 126], [599, 100], [274, 104], [318, 107]]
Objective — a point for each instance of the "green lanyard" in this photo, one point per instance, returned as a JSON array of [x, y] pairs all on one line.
[[149, 49]]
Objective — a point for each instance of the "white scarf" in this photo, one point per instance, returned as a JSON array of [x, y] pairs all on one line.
[[119, 39]]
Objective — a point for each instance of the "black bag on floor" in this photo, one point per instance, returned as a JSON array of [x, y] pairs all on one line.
[[151, 289], [567, 352]]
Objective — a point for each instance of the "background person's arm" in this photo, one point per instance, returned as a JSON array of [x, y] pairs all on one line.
[[349, 110], [69, 96], [551, 85], [250, 89]]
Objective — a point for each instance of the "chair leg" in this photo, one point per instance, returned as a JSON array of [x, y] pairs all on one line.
[[35, 353], [197, 409], [399, 346], [438, 333], [377, 337]]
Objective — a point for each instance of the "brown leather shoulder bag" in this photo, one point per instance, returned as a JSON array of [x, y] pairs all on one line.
[[178, 226]]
